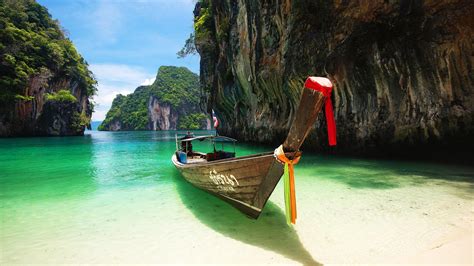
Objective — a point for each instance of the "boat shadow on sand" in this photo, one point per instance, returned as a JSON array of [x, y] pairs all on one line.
[[269, 232]]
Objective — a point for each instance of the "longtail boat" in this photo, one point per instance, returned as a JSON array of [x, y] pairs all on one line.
[[247, 182]]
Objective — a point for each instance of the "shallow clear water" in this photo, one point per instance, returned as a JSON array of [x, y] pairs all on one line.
[[115, 197]]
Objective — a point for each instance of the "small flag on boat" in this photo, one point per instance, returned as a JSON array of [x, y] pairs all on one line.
[[214, 119]]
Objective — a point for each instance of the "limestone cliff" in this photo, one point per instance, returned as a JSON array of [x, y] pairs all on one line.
[[402, 70], [39, 114], [170, 103], [161, 115]]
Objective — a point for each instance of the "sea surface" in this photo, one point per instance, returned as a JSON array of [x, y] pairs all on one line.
[[115, 197]]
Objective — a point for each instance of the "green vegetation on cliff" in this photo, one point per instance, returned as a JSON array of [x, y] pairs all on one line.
[[203, 22], [33, 44], [203, 25], [192, 121], [175, 89], [130, 110], [61, 96], [203, 30], [176, 86]]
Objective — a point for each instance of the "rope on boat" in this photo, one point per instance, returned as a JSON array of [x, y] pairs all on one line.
[[289, 182]]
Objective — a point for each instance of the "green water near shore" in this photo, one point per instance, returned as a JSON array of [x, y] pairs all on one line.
[[115, 197]]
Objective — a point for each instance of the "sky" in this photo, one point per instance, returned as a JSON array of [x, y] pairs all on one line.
[[125, 41]]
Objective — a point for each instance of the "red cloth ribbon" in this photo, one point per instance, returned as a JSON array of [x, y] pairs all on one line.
[[324, 86]]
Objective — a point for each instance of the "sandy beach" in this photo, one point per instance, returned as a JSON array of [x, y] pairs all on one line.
[[398, 227]]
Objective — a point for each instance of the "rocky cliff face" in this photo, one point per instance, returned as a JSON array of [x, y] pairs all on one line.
[[35, 115], [402, 70], [161, 115]]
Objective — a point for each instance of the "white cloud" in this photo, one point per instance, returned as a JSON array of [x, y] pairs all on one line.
[[120, 73], [148, 82], [99, 114], [114, 79]]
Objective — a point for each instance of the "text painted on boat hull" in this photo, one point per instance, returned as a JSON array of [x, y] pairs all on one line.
[[224, 182]]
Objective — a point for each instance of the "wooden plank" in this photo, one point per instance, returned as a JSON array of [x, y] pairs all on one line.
[[268, 184]]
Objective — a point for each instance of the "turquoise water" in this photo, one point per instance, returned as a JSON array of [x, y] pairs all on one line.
[[115, 197]]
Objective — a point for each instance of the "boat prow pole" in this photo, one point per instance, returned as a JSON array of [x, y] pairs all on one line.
[[315, 94], [312, 100]]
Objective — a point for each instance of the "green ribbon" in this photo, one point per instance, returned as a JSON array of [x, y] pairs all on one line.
[[286, 179]]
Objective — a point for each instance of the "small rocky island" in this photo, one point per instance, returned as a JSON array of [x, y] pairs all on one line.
[[170, 103], [45, 84]]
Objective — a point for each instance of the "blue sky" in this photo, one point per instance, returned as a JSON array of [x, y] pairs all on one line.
[[125, 41]]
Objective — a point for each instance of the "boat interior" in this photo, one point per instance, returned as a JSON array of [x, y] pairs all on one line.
[[186, 155], [200, 157]]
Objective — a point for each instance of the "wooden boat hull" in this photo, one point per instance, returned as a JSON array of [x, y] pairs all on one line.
[[245, 182]]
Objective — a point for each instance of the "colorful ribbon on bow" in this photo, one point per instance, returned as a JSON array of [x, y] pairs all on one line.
[[289, 182], [324, 86]]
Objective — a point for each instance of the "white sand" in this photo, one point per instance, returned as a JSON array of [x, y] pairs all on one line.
[[411, 224], [458, 250]]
